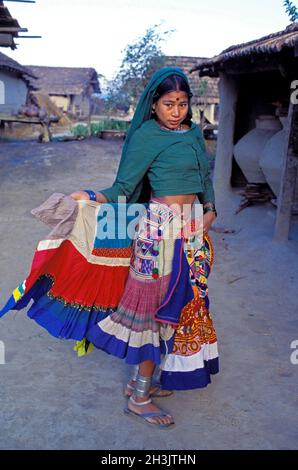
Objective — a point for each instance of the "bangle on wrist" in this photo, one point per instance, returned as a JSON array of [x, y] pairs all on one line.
[[92, 195], [209, 204], [210, 209]]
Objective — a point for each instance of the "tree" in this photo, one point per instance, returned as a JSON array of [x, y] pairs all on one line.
[[140, 60], [203, 87], [291, 10]]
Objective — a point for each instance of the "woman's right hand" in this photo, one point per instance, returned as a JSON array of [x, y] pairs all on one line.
[[79, 195]]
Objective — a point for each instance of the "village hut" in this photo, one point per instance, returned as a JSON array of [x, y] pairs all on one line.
[[14, 85], [258, 87], [70, 88]]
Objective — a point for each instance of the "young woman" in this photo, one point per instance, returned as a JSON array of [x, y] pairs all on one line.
[[163, 316]]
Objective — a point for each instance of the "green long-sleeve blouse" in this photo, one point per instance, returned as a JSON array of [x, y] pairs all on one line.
[[175, 162]]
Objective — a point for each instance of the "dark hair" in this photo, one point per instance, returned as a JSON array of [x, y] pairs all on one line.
[[173, 83]]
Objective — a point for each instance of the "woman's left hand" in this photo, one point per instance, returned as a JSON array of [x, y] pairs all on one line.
[[208, 220]]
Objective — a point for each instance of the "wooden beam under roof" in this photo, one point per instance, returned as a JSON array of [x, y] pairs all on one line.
[[21, 1], [13, 29]]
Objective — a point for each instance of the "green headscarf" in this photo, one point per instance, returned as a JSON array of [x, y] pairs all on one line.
[[143, 113]]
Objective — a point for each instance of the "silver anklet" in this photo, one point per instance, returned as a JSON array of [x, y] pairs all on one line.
[[142, 386]]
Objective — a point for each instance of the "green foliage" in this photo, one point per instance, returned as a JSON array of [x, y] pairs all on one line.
[[140, 60], [291, 10], [95, 128], [108, 124], [202, 88], [80, 130]]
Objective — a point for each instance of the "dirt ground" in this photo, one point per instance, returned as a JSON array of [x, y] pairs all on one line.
[[50, 399]]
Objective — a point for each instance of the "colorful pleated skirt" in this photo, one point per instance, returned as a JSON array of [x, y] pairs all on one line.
[[141, 299], [186, 352]]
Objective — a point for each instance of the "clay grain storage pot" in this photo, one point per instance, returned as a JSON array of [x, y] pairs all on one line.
[[271, 160], [249, 148]]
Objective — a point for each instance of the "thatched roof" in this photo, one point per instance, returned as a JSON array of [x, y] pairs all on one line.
[[64, 80], [6, 63], [205, 90], [9, 27], [267, 45]]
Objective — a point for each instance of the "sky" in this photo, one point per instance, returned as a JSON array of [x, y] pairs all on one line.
[[93, 33]]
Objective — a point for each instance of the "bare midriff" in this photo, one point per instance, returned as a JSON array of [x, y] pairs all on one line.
[[180, 199]]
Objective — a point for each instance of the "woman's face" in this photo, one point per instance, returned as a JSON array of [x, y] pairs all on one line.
[[171, 109]]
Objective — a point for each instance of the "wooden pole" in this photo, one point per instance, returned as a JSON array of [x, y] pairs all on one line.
[[288, 177]]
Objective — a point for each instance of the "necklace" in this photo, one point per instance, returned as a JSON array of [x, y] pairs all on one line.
[[179, 128]]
